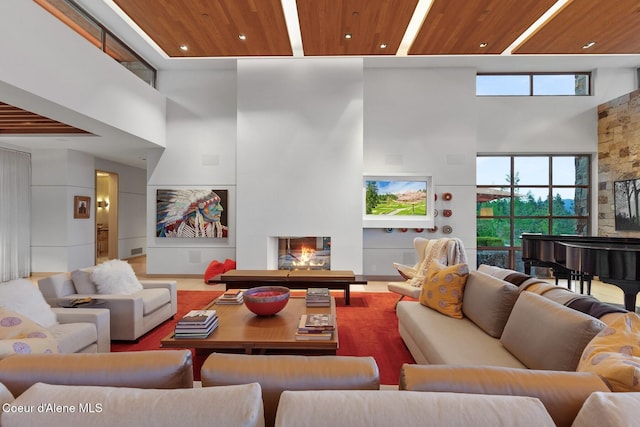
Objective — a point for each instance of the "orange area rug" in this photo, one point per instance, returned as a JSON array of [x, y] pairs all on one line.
[[367, 327]]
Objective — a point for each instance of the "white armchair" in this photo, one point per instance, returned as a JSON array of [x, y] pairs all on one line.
[[131, 315], [447, 251]]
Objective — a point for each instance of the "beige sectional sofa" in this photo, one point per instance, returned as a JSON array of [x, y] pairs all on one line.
[[519, 335], [140, 369], [154, 388], [277, 373], [503, 325], [561, 393]]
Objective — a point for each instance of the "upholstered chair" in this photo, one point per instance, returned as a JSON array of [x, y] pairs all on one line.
[[134, 311], [447, 251]]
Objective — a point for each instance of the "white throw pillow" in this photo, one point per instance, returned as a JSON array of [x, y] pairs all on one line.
[[25, 298], [115, 277]]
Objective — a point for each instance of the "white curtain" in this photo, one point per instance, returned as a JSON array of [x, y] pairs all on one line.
[[15, 214]]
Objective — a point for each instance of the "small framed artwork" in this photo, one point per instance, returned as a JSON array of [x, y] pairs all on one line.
[[81, 206]]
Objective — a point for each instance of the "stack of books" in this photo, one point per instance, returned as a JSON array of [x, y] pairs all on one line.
[[231, 296], [197, 324], [316, 327], [318, 297]]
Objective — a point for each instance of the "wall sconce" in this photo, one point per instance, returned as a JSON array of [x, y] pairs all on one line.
[[103, 204]]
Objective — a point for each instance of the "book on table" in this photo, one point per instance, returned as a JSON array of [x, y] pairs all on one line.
[[320, 321], [320, 336], [318, 297], [190, 332], [231, 296], [197, 317], [316, 327], [196, 324]]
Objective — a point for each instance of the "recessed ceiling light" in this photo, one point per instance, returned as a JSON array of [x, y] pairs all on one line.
[[348, 36], [484, 44], [383, 45], [184, 47], [588, 45], [242, 36]]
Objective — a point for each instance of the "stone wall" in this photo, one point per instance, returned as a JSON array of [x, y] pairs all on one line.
[[618, 156]]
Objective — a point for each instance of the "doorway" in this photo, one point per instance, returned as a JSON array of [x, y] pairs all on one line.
[[106, 216]]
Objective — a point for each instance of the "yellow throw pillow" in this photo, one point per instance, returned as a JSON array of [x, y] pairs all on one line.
[[442, 288], [614, 354]]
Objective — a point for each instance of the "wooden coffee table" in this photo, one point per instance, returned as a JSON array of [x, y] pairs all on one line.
[[294, 279], [240, 329]]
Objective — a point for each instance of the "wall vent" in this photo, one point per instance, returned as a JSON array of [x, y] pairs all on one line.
[[136, 251]]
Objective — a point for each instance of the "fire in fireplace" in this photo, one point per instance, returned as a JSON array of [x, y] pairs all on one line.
[[304, 253]]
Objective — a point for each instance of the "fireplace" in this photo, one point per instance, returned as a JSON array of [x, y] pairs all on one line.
[[304, 253]]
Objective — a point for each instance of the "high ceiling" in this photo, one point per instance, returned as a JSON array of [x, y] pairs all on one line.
[[236, 28], [489, 35]]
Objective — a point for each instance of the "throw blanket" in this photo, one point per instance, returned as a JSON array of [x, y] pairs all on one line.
[[594, 307], [447, 251], [517, 278]]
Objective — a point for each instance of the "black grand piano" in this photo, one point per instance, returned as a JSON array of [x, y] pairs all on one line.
[[615, 260]]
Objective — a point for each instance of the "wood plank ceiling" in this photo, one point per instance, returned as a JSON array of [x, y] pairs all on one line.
[[446, 27], [16, 121]]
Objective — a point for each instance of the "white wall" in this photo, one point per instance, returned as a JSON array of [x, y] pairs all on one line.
[[548, 124], [422, 121], [292, 120], [305, 130], [60, 242], [200, 153], [299, 157], [73, 81]]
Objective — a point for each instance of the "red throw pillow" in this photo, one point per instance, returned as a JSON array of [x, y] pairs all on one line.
[[229, 264], [215, 268]]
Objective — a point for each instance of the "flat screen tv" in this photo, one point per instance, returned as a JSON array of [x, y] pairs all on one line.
[[398, 201]]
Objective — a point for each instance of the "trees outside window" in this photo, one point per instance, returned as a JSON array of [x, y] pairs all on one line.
[[528, 194]]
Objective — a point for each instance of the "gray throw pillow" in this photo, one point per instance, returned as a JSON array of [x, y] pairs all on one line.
[[543, 334], [488, 301], [82, 281]]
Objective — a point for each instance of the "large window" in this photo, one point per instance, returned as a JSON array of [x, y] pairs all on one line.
[[85, 25], [533, 84], [528, 194]]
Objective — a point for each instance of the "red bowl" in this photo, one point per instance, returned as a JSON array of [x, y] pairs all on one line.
[[266, 300]]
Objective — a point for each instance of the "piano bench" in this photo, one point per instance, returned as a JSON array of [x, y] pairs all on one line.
[[573, 275]]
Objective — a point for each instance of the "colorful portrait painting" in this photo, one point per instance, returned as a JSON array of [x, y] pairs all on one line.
[[191, 213]]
